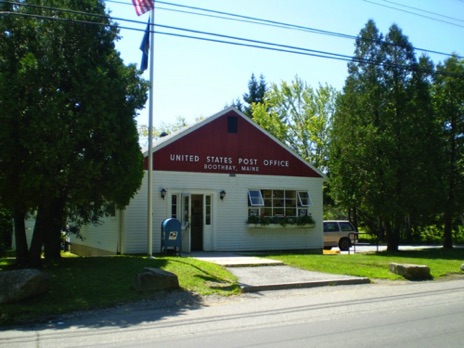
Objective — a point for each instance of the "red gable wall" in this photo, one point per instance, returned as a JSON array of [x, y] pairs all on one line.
[[211, 149]]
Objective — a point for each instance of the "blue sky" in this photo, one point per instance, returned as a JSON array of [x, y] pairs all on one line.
[[194, 78]]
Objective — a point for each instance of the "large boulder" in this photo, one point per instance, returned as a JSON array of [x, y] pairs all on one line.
[[20, 284], [411, 271], [150, 279]]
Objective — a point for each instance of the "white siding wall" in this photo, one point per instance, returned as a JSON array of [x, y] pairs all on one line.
[[230, 231], [135, 217], [103, 236]]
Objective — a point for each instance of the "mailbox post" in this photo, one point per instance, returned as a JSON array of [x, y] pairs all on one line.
[[171, 236]]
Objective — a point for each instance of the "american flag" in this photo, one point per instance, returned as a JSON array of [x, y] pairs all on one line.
[[142, 6]]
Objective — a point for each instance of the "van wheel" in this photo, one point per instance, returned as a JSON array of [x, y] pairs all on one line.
[[344, 244]]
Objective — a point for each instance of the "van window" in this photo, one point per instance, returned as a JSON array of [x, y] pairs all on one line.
[[330, 227], [346, 226]]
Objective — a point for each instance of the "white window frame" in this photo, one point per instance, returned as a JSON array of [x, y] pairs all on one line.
[[300, 199], [251, 199]]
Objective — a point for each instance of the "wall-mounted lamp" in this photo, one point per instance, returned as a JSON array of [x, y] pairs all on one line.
[[222, 194], [163, 193]]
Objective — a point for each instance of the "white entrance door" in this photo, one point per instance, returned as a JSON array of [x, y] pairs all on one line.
[[186, 216]]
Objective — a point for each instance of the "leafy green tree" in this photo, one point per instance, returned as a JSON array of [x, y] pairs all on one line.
[[449, 105], [300, 116], [163, 129], [380, 160], [67, 105]]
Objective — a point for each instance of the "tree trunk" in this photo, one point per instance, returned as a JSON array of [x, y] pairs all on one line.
[[52, 240], [448, 230], [355, 217], [448, 215], [451, 198], [392, 236], [22, 254]]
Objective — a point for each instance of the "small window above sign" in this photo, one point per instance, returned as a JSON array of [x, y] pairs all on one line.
[[255, 198], [232, 124], [304, 199]]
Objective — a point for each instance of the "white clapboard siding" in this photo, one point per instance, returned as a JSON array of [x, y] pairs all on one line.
[[103, 236], [230, 231]]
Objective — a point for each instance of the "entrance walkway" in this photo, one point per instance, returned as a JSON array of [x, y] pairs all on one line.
[[259, 274]]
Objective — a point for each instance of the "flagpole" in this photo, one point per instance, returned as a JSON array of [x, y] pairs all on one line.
[[150, 140]]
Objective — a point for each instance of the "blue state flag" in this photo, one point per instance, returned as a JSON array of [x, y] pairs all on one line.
[[144, 47]]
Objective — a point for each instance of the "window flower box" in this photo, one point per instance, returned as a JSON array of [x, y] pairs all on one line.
[[306, 221]]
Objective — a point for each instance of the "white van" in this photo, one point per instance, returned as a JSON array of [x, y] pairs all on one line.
[[339, 233]]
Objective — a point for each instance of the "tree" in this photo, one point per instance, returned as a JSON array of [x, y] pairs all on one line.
[[69, 141], [449, 105], [299, 116], [163, 129], [255, 95], [380, 160]]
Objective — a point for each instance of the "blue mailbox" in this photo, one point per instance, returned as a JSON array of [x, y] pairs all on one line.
[[171, 236]]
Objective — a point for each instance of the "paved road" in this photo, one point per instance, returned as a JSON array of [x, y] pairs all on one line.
[[388, 314]]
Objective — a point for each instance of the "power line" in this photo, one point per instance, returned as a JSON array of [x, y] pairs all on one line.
[[241, 42], [234, 17], [414, 13], [255, 20], [425, 11]]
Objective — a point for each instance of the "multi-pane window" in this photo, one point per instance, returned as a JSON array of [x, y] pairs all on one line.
[[278, 203], [208, 210], [174, 206]]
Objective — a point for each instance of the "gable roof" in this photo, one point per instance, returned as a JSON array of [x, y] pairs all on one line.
[[228, 142]]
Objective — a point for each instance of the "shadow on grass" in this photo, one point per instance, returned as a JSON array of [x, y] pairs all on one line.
[[211, 280], [96, 292]]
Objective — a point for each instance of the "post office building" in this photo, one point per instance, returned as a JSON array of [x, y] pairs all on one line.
[[230, 184]]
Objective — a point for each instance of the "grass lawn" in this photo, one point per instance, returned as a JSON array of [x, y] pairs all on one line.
[[441, 262], [98, 282]]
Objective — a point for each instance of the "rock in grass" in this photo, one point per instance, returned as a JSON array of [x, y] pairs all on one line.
[[20, 284], [150, 279], [411, 271], [462, 267]]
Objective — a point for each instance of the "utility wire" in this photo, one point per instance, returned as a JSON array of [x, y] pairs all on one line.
[[425, 11], [232, 16], [273, 23], [414, 13], [243, 42], [250, 42]]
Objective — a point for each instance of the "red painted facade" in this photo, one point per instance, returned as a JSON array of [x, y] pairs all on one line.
[[213, 148]]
